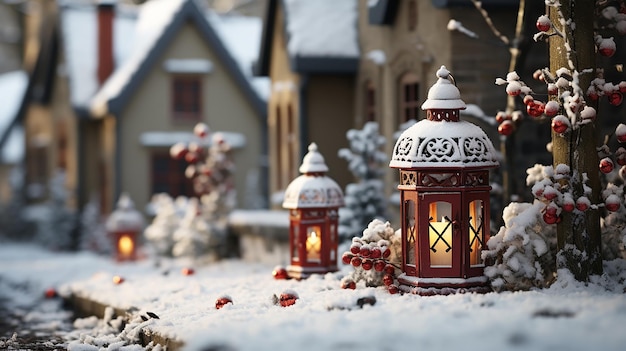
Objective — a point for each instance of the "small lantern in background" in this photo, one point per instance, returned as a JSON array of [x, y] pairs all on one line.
[[124, 226], [444, 185], [313, 200]]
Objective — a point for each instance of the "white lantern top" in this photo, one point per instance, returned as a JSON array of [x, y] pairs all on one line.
[[442, 140], [313, 189], [125, 217]]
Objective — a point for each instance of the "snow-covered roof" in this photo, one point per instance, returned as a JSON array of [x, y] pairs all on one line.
[[12, 88], [136, 32], [313, 189], [322, 28], [443, 143]]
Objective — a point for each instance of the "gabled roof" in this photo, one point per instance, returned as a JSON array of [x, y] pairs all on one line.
[[322, 35], [139, 41]]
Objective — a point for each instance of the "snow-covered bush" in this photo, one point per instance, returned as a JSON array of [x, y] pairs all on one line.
[[365, 199], [378, 252], [193, 235], [521, 255], [94, 236], [168, 215]]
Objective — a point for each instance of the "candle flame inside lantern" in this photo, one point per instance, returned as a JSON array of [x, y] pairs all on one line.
[[313, 244], [125, 246]]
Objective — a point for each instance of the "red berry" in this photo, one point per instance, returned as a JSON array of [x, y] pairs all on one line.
[[187, 271], [513, 88], [287, 298], [506, 128], [367, 264], [551, 210], [568, 206], [50, 293], [560, 124], [389, 269], [118, 280], [365, 251], [543, 23], [222, 301], [355, 249], [535, 109], [620, 156], [528, 99], [280, 273], [376, 253], [582, 204], [346, 257], [552, 108], [552, 89], [201, 130], [349, 284], [616, 98], [386, 252], [620, 133], [501, 117], [355, 261], [379, 265], [387, 279], [607, 51], [191, 157], [606, 165], [178, 151], [613, 206], [549, 219], [393, 289]]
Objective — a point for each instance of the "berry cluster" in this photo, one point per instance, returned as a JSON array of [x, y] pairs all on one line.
[[371, 256]]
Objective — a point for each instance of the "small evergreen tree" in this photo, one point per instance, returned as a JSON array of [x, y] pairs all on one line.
[[364, 200]]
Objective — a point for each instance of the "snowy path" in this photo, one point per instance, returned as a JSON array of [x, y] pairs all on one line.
[[568, 316]]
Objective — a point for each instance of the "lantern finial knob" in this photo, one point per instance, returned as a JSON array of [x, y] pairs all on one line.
[[313, 161], [444, 95]]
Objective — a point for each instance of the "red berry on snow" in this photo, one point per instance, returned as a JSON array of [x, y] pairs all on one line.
[[568, 206], [118, 280], [191, 157], [393, 289], [386, 252], [355, 249], [620, 133], [222, 301], [178, 151], [552, 108], [620, 156], [376, 253], [535, 109], [287, 298], [187, 271], [513, 88], [365, 251], [550, 219], [389, 269], [355, 261], [582, 204], [348, 284], [560, 124], [552, 89], [613, 206], [201, 130], [528, 99], [607, 51]]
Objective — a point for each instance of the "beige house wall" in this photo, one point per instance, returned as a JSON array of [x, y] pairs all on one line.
[[283, 98], [149, 109]]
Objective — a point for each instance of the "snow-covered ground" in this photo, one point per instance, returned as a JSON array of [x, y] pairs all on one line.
[[568, 316]]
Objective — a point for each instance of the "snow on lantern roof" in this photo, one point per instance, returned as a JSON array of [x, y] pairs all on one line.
[[313, 189], [443, 94], [443, 142], [125, 217]]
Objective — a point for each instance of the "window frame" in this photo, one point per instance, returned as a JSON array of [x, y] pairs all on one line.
[[186, 97]]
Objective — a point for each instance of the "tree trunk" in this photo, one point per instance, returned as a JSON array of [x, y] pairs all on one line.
[[578, 234]]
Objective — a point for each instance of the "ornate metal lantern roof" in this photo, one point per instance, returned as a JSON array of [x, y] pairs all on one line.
[[313, 189], [442, 140]]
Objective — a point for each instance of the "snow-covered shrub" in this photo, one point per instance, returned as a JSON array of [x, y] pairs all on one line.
[[364, 200], [168, 215], [522, 253], [94, 236], [370, 250], [193, 235]]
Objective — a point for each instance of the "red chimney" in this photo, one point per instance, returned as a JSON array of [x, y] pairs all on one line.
[[106, 12]]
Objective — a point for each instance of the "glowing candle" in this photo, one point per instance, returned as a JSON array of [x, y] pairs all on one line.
[[441, 256], [125, 246], [313, 244]]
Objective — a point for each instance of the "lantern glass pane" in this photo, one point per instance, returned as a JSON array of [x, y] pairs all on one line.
[[313, 243], [125, 245], [476, 232], [440, 234], [294, 244], [409, 220]]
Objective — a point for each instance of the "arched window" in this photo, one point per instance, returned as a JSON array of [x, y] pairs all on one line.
[[409, 97]]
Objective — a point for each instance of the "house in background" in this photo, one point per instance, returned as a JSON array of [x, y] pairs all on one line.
[[126, 82], [310, 52]]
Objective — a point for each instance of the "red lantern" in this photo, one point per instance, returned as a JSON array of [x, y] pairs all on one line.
[[313, 200], [444, 203], [124, 226]]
